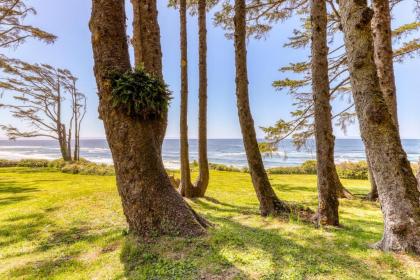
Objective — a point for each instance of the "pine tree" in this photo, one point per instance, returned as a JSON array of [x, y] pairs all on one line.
[[269, 203], [326, 171]]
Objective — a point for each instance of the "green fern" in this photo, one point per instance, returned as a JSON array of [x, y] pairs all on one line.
[[139, 94]]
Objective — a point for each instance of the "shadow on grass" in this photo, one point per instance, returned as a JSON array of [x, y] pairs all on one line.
[[214, 204], [58, 251], [231, 246], [66, 253], [10, 190], [293, 188], [12, 187], [23, 228]]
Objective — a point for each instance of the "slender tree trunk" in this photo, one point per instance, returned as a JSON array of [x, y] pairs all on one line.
[[269, 203], [382, 41], [326, 171], [76, 121], [397, 186], [186, 187], [61, 130], [342, 192], [69, 141], [150, 203], [373, 194], [203, 177]]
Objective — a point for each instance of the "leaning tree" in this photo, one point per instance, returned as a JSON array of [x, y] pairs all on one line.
[[38, 93], [14, 31]]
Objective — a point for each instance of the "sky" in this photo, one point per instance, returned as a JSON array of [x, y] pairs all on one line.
[[69, 21]]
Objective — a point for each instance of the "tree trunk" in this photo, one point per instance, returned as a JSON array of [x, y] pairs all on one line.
[[269, 203], [382, 41], [342, 192], [61, 130], [147, 48], [186, 187], [397, 186], [326, 171], [69, 141], [62, 140], [150, 203], [203, 164], [373, 194]]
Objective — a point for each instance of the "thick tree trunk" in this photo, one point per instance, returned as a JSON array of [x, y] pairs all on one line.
[[203, 164], [150, 203], [147, 48], [186, 187], [146, 36], [397, 186], [326, 171], [382, 42], [269, 203]]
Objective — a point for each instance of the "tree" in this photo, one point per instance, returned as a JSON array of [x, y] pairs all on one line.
[[203, 177], [269, 203], [326, 170], [13, 30], [382, 41], [150, 203], [39, 92], [397, 186], [301, 126], [186, 187], [78, 106]]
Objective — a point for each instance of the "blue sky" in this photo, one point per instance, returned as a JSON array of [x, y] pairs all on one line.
[[69, 21]]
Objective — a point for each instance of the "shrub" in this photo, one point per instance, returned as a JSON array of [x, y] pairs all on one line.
[[34, 163], [8, 163], [353, 170], [223, 167], [85, 167], [57, 164]]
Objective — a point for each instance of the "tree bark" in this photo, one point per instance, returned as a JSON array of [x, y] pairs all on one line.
[[382, 41], [147, 48], [373, 194], [397, 186], [326, 171], [61, 130], [186, 187], [150, 203], [203, 164], [269, 203]]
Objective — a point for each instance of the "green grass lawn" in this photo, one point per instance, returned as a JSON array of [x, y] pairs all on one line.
[[62, 226]]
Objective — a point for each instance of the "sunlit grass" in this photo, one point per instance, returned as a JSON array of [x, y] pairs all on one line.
[[62, 226]]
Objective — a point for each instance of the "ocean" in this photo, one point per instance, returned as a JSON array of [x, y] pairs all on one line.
[[223, 151]]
